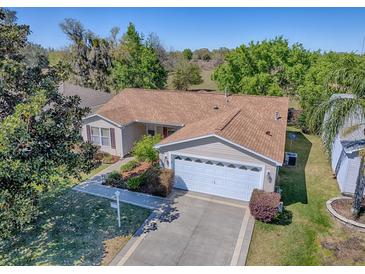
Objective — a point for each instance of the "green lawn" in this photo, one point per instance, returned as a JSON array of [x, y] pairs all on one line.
[[208, 83], [72, 229], [312, 237], [95, 171]]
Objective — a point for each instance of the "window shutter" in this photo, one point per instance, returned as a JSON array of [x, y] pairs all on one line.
[[88, 133], [112, 138]]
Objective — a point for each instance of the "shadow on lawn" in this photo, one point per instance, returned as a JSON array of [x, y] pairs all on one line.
[[292, 179], [71, 230]]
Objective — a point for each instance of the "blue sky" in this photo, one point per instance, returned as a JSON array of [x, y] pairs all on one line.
[[338, 29]]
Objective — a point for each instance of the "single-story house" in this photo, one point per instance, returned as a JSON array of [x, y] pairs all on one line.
[[216, 144], [94, 99], [345, 159]]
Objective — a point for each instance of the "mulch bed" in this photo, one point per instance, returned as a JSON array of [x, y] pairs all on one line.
[[343, 207], [136, 171]]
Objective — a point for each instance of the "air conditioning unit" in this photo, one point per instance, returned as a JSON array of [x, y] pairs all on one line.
[[290, 159]]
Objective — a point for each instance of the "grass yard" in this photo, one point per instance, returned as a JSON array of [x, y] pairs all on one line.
[[208, 83], [73, 229], [311, 236], [94, 171]]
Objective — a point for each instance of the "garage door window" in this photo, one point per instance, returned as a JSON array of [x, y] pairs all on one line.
[[220, 164], [256, 169], [231, 166]]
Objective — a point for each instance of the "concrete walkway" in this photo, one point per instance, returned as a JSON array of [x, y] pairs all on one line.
[[95, 187]]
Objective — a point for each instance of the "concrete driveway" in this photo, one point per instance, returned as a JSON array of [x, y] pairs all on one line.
[[195, 229]]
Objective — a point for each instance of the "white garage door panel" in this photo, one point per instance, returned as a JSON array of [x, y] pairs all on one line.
[[215, 179]]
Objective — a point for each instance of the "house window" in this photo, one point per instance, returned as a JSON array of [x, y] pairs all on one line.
[[95, 135], [100, 136], [105, 136]]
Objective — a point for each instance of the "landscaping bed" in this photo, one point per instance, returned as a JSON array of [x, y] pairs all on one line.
[[343, 207], [143, 173], [106, 158], [142, 177]]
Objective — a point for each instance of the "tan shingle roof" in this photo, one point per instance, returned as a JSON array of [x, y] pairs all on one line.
[[248, 121]]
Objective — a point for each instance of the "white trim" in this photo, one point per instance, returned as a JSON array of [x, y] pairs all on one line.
[[101, 117], [263, 168], [219, 137]]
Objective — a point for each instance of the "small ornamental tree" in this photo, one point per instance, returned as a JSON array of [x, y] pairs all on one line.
[[185, 75], [264, 206], [143, 150], [187, 54]]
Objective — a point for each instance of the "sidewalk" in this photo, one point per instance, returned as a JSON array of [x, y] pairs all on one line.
[[95, 187]]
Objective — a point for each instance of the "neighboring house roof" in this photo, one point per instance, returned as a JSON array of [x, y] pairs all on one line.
[[248, 121], [91, 98]]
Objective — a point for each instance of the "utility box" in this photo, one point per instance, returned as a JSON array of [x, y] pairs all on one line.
[[290, 159]]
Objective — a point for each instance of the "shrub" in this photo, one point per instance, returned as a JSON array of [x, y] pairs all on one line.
[[114, 179], [264, 205], [129, 166], [106, 158], [134, 183], [143, 150], [158, 181]]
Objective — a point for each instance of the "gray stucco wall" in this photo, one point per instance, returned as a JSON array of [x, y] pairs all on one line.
[[130, 134], [217, 148], [96, 121]]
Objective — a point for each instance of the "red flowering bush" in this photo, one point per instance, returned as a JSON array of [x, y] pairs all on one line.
[[264, 205]]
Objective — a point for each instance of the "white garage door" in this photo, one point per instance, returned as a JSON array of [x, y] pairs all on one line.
[[224, 179]]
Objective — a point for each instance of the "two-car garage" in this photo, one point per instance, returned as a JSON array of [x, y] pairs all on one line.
[[234, 180]]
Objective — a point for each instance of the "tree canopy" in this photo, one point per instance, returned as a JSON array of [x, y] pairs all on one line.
[[136, 64], [270, 67], [90, 55], [187, 54], [40, 141], [185, 75]]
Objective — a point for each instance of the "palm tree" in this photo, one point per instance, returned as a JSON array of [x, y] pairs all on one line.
[[346, 112]]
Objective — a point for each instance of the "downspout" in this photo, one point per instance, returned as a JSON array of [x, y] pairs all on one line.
[[121, 142]]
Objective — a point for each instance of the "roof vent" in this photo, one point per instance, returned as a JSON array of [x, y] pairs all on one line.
[[215, 107], [268, 133], [277, 116]]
